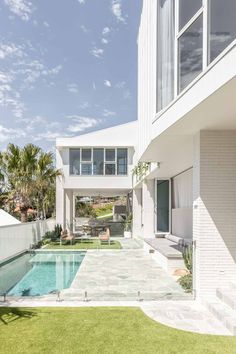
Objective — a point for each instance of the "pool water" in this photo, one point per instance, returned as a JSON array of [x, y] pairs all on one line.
[[42, 273]]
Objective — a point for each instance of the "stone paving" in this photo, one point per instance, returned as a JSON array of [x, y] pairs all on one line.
[[123, 275]]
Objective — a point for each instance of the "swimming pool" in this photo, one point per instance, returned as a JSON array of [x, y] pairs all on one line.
[[39, 274]]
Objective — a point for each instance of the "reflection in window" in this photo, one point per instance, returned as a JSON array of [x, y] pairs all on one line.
[[187, 9], [86, 169], [110, 154], [74, 161], [165, 67], [98, 161], [86, 154], [190, 53], [110, 169], [122, 161], [222, 25]]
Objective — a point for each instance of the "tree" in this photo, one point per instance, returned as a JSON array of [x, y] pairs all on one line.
[[29, 176]]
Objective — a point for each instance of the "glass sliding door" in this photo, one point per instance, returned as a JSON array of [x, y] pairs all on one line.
[[163, 205]]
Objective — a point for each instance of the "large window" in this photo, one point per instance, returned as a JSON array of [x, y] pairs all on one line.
[[222, 25], [166, 38], [190, 57], [190, 35], [75, 161], [99, 161]]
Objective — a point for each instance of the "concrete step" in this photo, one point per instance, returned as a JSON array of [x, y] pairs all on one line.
[[224, 314], [227, 296]]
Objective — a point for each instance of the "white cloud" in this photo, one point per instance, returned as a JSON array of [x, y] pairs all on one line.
[[120, 84], [9, 50], [94, 86], [107, 83], [84, 29], [116, 8], [73, 88], [106, 30], [80, 124], [97, 52], [105, 41], [107, 113], [127, 94], [8, 134], [84, 105], [81, 1], [46, 24], [21, 8]]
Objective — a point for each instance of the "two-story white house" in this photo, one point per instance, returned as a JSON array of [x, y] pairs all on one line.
[[186, 132]]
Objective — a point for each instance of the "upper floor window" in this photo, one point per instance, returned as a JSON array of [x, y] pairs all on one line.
[[98, 161], [187, 9]]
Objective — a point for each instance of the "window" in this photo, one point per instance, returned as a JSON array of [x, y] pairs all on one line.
[[86, 169], [187, 9], [122, 161], [110, 155], [74, 161], [110, 169], [98, 161], [190, 53], [86, 155], [222, 26], [166, 38]]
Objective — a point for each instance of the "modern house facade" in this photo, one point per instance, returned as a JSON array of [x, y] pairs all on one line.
[[184, 141]]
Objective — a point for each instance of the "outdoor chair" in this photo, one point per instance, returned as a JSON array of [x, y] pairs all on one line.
[[104, 236], [66, 236]]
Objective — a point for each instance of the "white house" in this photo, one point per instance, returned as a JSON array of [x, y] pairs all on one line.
[[184, 140]]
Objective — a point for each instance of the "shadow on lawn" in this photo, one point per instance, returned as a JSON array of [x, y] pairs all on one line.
[[9, 315]]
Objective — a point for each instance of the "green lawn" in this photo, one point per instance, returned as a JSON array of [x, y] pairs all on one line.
[[88, 244], [101, 331]]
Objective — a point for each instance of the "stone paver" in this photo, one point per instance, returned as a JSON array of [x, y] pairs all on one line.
[[122, 274], [184, 315]]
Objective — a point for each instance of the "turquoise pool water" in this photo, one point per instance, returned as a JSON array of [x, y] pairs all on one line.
[[40, 274]]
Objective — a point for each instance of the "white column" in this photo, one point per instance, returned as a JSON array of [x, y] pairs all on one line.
[[137, 213], [69, 210], [59, 202], [148, 208], [214, 211]]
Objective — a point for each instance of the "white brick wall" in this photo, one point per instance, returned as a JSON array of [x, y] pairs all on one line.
[[214, 214]]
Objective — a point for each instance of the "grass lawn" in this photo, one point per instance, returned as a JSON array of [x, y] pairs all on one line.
[[88, 244], [101, 331]]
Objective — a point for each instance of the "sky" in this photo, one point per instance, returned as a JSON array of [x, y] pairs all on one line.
[[67, 67]]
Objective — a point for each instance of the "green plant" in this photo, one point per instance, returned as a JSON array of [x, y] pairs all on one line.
[[188, 257], [186, 282], [128, 223], [141, 169], [53, 235], [84, 210]]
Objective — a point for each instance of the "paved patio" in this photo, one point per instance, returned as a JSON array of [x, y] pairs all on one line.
[[122, 275]]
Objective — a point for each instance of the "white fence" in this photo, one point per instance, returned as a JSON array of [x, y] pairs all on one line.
[[17, 238]]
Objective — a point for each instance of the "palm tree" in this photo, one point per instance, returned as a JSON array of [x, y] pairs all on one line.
[[29, 175]]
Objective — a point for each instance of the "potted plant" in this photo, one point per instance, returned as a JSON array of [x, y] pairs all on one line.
[[128, 227]]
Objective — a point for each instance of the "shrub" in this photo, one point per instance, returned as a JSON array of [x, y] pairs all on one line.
[[53, 235], [186, 282], [188, 257]]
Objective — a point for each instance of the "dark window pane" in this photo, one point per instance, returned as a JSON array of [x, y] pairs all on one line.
[[165, 52], [98, 161], [122, 161], [86, 154], [222, 25], [74, 161], [110, 155], [163, 206], [86, 169], [190, 54], [110, 169], [187, 9]]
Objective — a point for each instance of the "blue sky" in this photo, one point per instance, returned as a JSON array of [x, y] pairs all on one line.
[[66, 67]]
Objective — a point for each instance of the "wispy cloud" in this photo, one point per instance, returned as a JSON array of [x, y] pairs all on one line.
[[7, 134], [97, 52], [106, 30], [107, 83], [21, 8], [84, 29], [82, 2], [10, 50], [120, 84], [84, 105], [105, 41], [73, 88], [107, 113], [81, 124], [116, 8]]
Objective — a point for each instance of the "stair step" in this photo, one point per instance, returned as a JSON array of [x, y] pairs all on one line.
[[224, 314], [227, 296]]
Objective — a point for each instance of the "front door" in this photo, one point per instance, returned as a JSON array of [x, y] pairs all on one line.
[[163, 205]]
